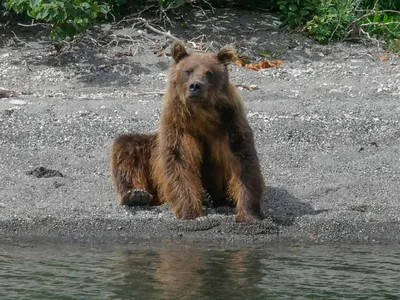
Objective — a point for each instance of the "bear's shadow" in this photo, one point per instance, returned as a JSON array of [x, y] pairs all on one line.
[[283, 207], [277, 205]]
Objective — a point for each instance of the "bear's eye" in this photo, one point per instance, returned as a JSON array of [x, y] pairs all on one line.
[[188, 72], [209, 74]]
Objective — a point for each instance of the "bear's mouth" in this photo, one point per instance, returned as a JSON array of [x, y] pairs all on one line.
[[196, 98]]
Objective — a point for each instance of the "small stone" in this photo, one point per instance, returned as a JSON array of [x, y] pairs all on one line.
[[17, 102], [108, 228], [42, 172], [57, 184], [70, 85], [10, 111]]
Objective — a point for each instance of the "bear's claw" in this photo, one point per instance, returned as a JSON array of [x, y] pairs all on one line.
[[137, 197]]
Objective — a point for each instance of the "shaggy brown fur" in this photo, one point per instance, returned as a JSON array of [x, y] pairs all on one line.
[[204, 142]]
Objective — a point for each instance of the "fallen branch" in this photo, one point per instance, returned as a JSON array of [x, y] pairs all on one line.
[[167, 34], [34, 25], [251, 87], [148, 93]]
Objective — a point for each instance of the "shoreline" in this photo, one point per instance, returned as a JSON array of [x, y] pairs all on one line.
[[216, 230]]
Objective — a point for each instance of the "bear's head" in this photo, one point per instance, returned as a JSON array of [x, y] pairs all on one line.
[[200, 77]]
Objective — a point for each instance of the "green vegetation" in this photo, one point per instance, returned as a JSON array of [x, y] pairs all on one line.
[[324, 20], [336, 20], [67, 17]]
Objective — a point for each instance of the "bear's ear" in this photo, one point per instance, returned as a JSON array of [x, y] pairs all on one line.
[[227, 55], [178, 51]]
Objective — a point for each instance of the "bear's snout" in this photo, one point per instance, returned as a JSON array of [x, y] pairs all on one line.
[[195, 89]]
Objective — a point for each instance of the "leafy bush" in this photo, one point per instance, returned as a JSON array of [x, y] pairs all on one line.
[[331, 20], [325, 20], [383, 4], [383, 21], [68, 17], [296, 12], [328, 20]]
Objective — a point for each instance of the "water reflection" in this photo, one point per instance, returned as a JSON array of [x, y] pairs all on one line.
[[181, 272], [174, 271]]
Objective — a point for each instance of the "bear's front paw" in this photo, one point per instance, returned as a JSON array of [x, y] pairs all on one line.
[[136, 197], [189, 213], [247, 217]]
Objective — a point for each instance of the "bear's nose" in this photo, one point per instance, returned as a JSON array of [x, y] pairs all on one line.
[[195, 88]]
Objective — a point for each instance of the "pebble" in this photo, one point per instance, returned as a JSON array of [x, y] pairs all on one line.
[[17, 102], [11, 110]]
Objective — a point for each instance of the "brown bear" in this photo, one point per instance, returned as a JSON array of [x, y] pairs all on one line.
[[203, 143]]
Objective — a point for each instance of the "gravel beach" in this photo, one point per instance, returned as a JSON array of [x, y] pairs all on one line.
[[326, 124]]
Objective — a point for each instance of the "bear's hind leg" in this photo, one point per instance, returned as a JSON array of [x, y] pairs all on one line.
[[130, 169]]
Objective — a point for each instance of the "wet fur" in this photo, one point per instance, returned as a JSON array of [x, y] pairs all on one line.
[[202, 143]]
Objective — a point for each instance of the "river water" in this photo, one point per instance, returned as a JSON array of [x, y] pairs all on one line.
[[176, 271]]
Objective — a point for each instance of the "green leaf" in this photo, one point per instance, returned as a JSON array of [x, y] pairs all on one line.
[[62, 16], [85, 5], [385, 18], [42, 14], [104, 9], [53, 13], [35, 3]]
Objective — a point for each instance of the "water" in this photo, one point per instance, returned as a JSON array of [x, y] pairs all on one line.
[[173, 271]]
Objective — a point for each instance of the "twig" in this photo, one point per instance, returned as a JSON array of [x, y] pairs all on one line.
[[167, 34], [136, 50], [376, 12], [121, 37], [94, 41], [144, 10], [337, 27], [379, 24], [205, 14], [164, 17], [375, 4], [254, 30], [209, 4], [200, 43], [148, 93], [142, 34], [370, 37], [34, 25], [15, 36], [247, 87]]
